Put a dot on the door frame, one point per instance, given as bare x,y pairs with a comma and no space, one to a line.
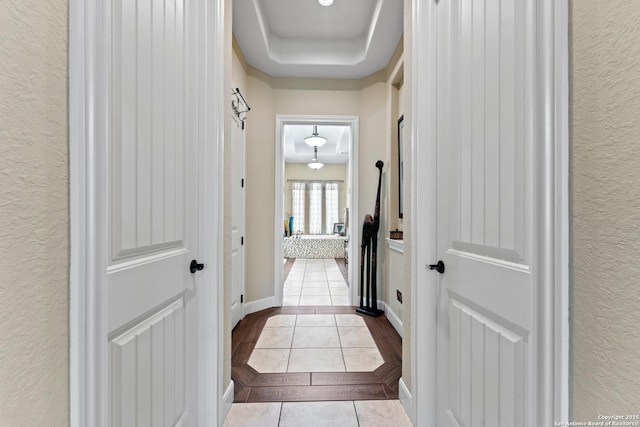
354,232
88,159
551,300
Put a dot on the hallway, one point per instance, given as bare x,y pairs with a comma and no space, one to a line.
73,71
314,353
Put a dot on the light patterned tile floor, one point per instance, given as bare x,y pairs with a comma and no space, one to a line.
369,413
315,343
315,282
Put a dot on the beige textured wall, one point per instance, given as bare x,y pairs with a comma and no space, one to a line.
374,146
259,183
239,70
34,225
605,203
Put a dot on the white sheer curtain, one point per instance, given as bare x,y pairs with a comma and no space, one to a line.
297,206
315,208
331,206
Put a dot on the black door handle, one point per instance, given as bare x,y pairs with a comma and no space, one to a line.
439,267
194,266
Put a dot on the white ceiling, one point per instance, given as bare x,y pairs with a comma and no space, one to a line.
336,150
301,38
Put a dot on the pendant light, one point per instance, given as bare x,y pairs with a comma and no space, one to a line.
325,2
315,140
315,164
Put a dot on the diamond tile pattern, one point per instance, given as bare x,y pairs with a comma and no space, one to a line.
316,373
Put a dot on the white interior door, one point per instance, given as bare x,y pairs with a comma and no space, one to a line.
153,208
237,219
485,135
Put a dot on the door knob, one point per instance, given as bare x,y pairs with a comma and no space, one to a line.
439,267
194,266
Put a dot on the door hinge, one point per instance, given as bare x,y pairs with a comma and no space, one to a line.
242,240
242,183
241,298
243,125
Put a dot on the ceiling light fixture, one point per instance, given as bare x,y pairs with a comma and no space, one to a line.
325,2
315,164
315,140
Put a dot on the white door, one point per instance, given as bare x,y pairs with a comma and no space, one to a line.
153,208
237,219
485,139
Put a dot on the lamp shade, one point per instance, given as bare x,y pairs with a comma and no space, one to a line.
315,164
315,140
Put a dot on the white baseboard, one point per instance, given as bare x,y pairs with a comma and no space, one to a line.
391,316
395,321
227,401
407,400
261,304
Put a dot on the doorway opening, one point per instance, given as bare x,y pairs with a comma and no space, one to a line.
318,206
316,215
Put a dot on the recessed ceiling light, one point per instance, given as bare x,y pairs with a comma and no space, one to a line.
325,2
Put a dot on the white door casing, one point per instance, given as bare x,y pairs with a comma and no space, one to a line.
145,200
489,187
279,185
237,218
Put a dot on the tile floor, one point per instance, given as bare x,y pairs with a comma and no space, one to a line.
315,343
364,413
315,282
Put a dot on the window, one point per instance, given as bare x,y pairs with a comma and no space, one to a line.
297,208
322,207
331,206
315,208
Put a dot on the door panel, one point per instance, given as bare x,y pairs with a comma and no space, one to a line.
153,170
147,126
485,67
485,369
483,203
148,390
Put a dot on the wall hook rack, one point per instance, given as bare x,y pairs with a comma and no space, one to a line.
239,105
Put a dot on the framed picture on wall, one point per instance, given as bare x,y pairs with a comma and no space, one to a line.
400,164
338,228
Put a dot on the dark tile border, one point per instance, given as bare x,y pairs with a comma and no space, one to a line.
251,386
